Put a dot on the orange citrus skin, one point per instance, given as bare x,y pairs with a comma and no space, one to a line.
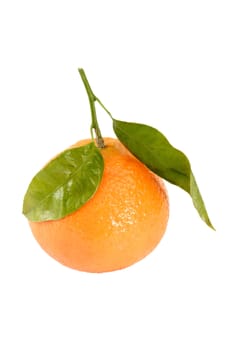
118,226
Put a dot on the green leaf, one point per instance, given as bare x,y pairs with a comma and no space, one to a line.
154,150
64,184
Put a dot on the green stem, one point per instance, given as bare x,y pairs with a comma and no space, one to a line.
101,104
92,99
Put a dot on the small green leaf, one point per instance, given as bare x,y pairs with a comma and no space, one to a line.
154,150
65,184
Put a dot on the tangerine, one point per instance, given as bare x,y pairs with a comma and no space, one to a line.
121,224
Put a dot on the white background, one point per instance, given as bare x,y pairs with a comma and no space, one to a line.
164,63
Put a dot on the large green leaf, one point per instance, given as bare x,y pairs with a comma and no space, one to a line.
64,184
154,150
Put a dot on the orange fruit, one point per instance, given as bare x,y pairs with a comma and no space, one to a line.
122,223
